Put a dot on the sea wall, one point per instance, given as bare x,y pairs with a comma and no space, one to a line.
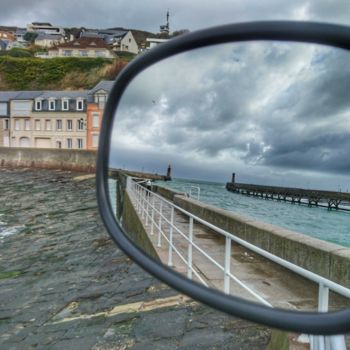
326,259
136,231
166,192
76,160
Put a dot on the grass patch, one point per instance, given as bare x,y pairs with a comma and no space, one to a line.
9,274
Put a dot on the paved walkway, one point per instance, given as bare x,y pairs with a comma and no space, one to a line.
276,285
65,285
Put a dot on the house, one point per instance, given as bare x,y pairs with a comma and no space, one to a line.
153,42
82,47
19,35
21,107
5,98
7,36
49,119
126,42
49,40
58,120
3,45
118,39
97,98
53,119
45,28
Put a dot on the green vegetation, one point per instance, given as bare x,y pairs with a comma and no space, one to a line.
17,52
30,73
9,274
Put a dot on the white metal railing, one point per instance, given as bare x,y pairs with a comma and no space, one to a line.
148,204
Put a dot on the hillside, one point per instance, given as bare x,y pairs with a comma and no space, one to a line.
29,73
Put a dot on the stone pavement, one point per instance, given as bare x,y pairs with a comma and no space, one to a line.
65,285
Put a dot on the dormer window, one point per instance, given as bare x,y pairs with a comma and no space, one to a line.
65,104
80,104
52,104
38,105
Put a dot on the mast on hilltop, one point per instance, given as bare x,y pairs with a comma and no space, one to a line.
165,29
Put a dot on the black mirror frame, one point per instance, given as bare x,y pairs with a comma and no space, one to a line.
318,33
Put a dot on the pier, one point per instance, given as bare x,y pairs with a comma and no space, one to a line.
318,198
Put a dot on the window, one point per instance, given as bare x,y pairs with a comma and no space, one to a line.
38,105
95,119
81,124
37,124
67,53
52,105
80,105
65,105
69,143
27,124
47,124
101,100
83,53
69,124
58,144
6,124
17,124
99,53
95,140
58,124
80,143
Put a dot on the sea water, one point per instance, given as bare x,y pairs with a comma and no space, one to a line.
329,225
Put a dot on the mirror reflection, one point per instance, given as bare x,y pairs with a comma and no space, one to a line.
230,165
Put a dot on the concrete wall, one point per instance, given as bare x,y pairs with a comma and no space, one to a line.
135,229
166,192
76,160
326,259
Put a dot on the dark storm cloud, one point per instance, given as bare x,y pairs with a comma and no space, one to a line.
148,15
259,106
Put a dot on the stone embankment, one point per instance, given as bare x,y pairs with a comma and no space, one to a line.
65,285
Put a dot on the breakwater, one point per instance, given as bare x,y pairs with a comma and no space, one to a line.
76,160
329,199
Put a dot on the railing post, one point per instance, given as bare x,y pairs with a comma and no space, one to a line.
170,257
190,241
143,203
147,198
160,224
227,265
323,297
152,218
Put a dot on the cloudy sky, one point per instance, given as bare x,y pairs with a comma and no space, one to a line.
274,113
148,15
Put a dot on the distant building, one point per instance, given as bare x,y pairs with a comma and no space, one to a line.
3,45
119,40
153,42
96,104
53,119
82,47
48,40
45,28
19,34
7,36
59,120
5,126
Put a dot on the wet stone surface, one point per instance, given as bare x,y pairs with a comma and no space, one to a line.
65,285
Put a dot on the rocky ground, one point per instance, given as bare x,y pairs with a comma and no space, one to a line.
65,285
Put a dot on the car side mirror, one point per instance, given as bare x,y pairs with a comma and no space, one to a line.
270,102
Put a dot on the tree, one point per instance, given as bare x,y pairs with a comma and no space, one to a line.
179,32
30,36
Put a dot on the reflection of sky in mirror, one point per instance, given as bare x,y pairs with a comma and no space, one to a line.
274,113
